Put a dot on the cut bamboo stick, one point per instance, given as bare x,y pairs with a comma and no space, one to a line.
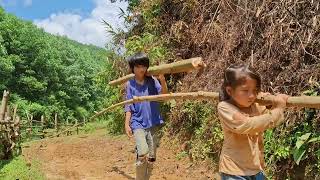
295,101
8,113
298,101
4,105
172,68
15,113
17,121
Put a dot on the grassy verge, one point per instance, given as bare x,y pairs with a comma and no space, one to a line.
18,168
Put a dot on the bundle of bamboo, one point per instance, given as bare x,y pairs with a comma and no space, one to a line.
172,68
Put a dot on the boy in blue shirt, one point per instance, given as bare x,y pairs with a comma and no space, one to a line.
143,118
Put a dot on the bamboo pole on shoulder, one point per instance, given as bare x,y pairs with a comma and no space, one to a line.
294,101
163,97
298,101
172,68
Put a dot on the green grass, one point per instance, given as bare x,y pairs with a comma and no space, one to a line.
181,155
17,168
93,126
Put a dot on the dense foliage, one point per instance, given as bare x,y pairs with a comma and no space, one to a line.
49,74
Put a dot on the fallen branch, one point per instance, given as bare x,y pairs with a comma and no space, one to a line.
172,68
299,101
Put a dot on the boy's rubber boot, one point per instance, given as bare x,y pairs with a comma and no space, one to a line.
149,170
141,170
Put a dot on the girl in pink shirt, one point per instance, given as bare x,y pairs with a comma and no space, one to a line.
243,123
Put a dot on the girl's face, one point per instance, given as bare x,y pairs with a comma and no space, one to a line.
139,71
245,94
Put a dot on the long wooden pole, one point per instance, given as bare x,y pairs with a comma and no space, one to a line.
172,68
295,101
298,101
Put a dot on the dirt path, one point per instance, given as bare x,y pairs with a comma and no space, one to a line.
91,157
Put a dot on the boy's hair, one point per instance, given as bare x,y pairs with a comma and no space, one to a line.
139,58
234,76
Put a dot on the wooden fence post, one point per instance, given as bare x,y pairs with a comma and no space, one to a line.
42,121
4,105
30,124
42,125
77,126
56,122
7,114
3,108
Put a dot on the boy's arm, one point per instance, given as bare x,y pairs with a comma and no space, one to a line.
128,109
127,124
164,87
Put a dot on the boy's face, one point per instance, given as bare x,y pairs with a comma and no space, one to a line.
139,71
